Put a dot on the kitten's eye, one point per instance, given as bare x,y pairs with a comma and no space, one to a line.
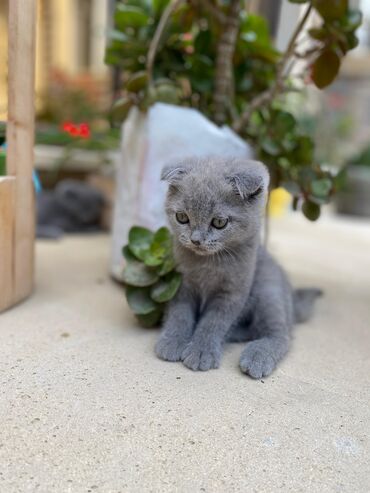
219,223
182,218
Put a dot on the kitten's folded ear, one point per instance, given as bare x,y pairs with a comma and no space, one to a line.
174,172
250,179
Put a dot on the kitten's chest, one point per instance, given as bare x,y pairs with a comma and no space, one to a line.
204,281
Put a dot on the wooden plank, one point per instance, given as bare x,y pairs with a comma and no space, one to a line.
20,137
7,203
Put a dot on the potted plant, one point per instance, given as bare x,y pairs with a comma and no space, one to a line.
217,58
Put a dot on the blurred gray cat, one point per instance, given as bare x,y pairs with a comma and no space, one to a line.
232,289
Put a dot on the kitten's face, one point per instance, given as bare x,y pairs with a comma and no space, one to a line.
207,216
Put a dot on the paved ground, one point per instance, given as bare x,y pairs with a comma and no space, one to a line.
86,406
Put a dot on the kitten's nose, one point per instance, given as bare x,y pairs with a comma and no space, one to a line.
195,238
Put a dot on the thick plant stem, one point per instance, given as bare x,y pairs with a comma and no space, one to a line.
282,73
224,63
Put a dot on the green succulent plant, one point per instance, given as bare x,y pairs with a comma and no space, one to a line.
149,275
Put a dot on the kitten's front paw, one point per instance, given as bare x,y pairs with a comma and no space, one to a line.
170,348
256,361
201,357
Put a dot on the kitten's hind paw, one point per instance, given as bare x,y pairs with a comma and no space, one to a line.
170,348
198,358
256,361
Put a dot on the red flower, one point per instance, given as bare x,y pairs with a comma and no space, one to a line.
84,131
67,126
81,130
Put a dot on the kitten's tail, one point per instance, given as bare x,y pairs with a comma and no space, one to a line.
303,303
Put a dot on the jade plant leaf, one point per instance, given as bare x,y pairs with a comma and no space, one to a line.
120,109
321,187
138,274
149,275
311,210
151,319
166,288
130,16
167,266
325,68
139,241
140,301
159,5
331,9
128,255
137,81
160,247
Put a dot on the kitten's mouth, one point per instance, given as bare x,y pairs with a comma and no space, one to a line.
200,250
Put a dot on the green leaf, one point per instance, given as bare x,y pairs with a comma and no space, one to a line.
165,92
298,1
116,35
325,68
311,210
120,109
128,16
137,81
138,274
162,244
166,288
283,162
284,122
292,187
303,155
139,240
255,28
152,260
353,20
318,33
159,5
167,266
270,146
331,9
129,256
160,247
322,187
151,319
317,200
352,41
139,300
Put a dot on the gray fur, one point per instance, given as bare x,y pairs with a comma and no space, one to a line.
303,301
232,289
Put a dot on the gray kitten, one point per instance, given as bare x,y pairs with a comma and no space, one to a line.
232,289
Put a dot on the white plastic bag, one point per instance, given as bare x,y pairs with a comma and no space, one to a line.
149,141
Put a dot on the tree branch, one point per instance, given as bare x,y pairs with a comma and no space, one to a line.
270,94
153,47
224,62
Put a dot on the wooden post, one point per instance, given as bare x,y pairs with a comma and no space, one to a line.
17,214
